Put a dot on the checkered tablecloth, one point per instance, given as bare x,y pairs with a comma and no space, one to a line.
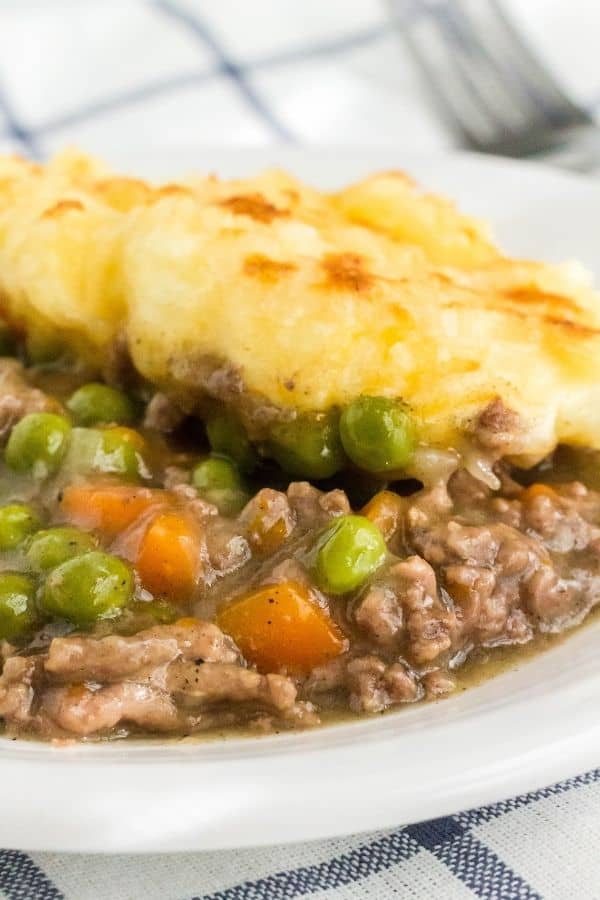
185,73
540,845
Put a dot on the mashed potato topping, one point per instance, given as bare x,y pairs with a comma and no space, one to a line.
266,288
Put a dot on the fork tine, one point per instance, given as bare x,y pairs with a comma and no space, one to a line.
512,98
494,91
428,46
540,81
466,85
497,93
532,87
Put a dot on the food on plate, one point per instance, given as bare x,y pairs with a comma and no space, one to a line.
271,454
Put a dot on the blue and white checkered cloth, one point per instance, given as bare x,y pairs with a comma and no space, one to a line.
539,845
186,73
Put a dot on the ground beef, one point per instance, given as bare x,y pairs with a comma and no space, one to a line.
497,427
557,521
469,565
380,613
163,414
473,567
370,684
438,683
188,676
268,519
312,507
6,650
83,710
114,658
177,480
227,549
18,397
406,610
484,570
20,674
477,568
196,685
374,686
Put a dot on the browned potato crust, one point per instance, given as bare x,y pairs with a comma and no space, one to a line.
266,288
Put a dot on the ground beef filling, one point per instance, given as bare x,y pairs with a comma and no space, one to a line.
464,566
19,397
169,678
478,568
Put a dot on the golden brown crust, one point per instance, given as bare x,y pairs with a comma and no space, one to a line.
255,206
347,271
269,271
61,207
377,289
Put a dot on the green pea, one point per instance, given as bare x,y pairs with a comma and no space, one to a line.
53,546
87,588
308,446
227,436
17,522
118,455
157,611
228,501
95,403
18,614
215,472
378,434
348,552
217,480
38,443
105,451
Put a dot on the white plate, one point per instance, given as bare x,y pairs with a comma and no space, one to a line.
519,731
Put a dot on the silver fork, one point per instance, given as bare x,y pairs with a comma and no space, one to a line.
490,87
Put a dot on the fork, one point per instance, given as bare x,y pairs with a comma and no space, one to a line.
493,91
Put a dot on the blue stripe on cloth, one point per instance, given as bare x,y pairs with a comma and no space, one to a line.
166,85
126,98
229,68
21,879
15,129
449,839
468,859
348,868
435,832
314,51
494,810
476,865
481,870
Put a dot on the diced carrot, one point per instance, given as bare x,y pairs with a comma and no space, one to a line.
385,510
168,559
281,627
266,537
109,508
539,490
